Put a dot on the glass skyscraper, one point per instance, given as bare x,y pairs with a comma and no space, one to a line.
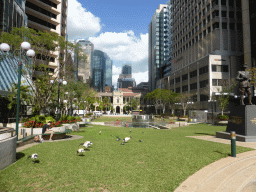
101,70
12,14
158,45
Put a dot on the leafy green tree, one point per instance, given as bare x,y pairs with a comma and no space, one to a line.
223,94
44,44
25,95
106,103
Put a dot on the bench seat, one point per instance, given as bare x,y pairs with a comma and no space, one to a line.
56,135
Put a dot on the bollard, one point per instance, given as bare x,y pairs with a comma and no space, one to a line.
233,143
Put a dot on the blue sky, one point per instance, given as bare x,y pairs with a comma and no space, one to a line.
119,28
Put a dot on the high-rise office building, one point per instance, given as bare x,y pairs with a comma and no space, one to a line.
12,14
84,66
158,45
206,46
108,73
101,72
127,69
125,79
48,15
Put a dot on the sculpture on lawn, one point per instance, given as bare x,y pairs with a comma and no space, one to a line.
244,84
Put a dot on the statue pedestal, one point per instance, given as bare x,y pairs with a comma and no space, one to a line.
242,120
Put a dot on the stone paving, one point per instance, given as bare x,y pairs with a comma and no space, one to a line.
68,138
225,175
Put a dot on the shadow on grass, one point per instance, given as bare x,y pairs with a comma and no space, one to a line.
36,161
228,154
205,134
19,155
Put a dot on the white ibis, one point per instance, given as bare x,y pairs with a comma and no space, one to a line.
80,151
34,157
86,144
126,139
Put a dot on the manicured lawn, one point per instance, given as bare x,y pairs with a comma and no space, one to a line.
110,119
160,162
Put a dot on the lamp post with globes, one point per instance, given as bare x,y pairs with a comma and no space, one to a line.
25,46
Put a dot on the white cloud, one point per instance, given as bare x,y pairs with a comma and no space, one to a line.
116,70
124,47
81,23
140,77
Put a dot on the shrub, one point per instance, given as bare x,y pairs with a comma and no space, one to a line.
222,117
64,117
163,114
49,118
57,124
70,118
33,124
89,114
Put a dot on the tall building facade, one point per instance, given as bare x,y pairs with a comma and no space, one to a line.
48,15
84,66
12,14
158,45
101,72
108,73
125,79
127,70
207,46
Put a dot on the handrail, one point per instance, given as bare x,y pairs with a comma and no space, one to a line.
6,130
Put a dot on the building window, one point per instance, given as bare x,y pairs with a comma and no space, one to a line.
203,70
204,97
184,88
184,77
203,84
232,26
178,90
224,25
177,80
216,25
117,101
193,74
219,68
171,81
223,13
193,86
231,14
220,82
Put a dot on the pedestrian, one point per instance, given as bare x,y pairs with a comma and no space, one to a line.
47,129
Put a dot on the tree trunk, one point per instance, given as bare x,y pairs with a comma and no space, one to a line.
222,112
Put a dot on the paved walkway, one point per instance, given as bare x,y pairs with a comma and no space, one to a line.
230,174
68,138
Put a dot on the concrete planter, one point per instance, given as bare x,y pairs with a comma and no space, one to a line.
7,152
73,126
222,122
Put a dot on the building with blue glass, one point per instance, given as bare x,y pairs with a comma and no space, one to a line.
12,14
101,71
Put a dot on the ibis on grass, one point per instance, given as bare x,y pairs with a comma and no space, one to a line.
80,151
34,157
86,144
126,139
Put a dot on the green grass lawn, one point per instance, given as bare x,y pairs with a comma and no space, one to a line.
160,162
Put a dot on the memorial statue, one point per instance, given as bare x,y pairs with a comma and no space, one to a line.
244,84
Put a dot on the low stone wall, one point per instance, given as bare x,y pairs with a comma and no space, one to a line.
73,126
7,152
11,125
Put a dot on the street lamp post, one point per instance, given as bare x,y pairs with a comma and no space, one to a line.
60,81
25,46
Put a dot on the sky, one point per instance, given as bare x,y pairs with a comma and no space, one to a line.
118,28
